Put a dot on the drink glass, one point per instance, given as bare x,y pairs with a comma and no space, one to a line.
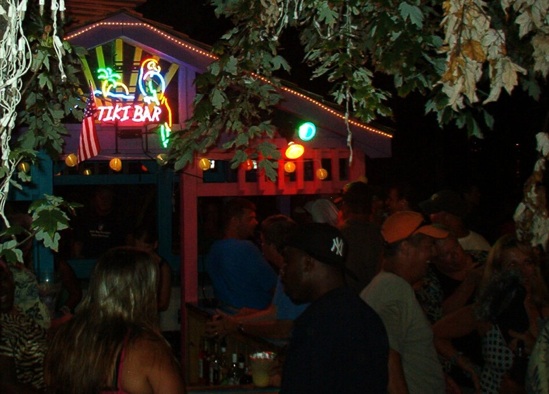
261,364
48,289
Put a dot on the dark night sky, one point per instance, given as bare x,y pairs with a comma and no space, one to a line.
421,152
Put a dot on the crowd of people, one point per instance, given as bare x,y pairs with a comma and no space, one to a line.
365,291
459,314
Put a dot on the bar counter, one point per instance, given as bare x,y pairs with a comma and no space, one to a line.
240,343
248,389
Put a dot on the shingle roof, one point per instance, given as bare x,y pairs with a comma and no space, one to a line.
83,11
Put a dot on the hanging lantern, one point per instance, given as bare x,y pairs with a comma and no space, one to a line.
321,174
87,171
204,164
248,165
289,167
23,166
71,160
162,159
115,164
306,131
294,151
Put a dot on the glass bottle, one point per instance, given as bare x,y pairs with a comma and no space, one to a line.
234,374
215,366
246,376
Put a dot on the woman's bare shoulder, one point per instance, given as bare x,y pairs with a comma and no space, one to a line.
151,367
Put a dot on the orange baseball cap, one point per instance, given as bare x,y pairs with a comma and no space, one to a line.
403,224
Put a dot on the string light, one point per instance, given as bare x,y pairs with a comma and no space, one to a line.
162,159
204,164
24,167
71,160
115,164
248,165
321,174
289,167
146,26
294,151
306,131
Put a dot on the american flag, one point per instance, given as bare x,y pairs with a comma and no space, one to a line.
89,143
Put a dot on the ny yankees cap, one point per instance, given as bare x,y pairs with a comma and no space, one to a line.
321,241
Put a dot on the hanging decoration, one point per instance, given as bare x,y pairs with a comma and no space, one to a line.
162,159
24,167
115,164
294,150
306,131
289,167
204,164
16,58
71,160
321,174
248,165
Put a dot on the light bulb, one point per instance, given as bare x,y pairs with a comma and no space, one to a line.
294,151
321,174
289,166
115,164
162,159
23,166
307,131
71,160
204,164
248,165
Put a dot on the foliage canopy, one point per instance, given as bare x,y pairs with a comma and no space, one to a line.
43,97
460,54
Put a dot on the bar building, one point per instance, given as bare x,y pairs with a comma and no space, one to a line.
132,133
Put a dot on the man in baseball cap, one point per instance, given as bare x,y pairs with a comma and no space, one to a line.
339,344
413,363
448,208
404,224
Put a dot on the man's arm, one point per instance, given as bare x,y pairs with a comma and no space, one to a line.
397,381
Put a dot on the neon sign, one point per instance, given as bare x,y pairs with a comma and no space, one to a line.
119,105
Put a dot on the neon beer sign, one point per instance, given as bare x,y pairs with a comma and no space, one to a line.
121,107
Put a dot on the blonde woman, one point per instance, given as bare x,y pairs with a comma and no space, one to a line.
508,313
113,345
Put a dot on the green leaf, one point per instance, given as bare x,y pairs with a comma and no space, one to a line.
412,13
217,98
231,65
214,68
43,80
50,240
326,13
10,252
239,157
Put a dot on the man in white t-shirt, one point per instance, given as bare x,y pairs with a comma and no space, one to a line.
413,363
